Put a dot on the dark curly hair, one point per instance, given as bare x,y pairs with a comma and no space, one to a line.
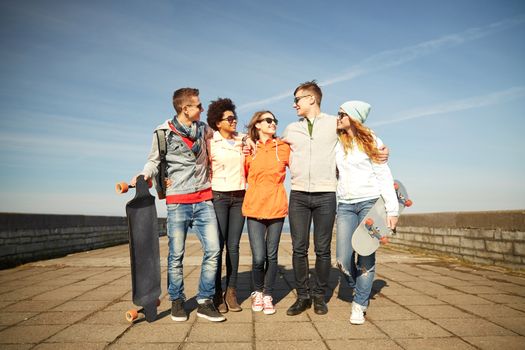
216,110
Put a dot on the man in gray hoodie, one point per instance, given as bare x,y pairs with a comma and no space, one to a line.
313,178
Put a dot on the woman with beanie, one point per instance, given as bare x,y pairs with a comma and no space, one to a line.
228,186
361,181
265,205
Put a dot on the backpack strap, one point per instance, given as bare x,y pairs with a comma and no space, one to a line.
161,177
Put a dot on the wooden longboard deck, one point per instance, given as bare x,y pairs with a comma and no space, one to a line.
144,250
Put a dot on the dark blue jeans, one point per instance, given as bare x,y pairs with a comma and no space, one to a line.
265,236
304,208
228,209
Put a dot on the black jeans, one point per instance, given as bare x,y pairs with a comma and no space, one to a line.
265,236
228,209
305,207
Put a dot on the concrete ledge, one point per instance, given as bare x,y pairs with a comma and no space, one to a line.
491,237
31,237
512,220
15,221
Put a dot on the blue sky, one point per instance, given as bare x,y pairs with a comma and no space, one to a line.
84,83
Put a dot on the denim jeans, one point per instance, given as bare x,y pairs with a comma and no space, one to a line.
360,275
228,208
305,207
265,236
200,216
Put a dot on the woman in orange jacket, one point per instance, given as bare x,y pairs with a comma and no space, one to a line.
265,205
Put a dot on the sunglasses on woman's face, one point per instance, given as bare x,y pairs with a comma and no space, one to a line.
231,119
341,115
270,120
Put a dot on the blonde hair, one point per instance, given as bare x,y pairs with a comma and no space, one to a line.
253,133
364,138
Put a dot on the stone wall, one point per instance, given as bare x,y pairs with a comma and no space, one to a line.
31,237
493,238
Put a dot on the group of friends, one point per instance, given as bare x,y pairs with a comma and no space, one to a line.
218,178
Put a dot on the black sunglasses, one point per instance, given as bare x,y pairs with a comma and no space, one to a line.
230,119
270,120
298,98
199,106
341,115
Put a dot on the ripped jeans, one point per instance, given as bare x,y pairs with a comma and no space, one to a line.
360,275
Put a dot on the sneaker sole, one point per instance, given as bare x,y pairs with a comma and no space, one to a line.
294,313
212,319
179,318
357,322
269,312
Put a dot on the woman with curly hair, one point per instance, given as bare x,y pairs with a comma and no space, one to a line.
361,181
228,186
265,205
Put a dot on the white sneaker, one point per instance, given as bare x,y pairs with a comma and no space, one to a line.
257,301
357,316
269,309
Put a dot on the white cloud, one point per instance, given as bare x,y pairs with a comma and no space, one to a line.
392,58
493,98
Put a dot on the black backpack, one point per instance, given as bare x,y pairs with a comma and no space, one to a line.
160,178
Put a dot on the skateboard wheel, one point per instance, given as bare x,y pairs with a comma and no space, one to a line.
158,302
408,203
383,240
132,315
121,187
396,185
369,222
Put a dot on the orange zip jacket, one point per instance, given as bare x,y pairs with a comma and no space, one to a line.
266,169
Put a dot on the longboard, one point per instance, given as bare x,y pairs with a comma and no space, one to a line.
143,250
373,230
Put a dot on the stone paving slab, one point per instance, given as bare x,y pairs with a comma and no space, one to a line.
418,302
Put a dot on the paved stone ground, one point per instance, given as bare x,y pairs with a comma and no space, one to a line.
419,302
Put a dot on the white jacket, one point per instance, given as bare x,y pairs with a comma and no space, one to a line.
227,164
361,179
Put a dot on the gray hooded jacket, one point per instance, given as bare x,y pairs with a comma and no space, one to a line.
187,172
